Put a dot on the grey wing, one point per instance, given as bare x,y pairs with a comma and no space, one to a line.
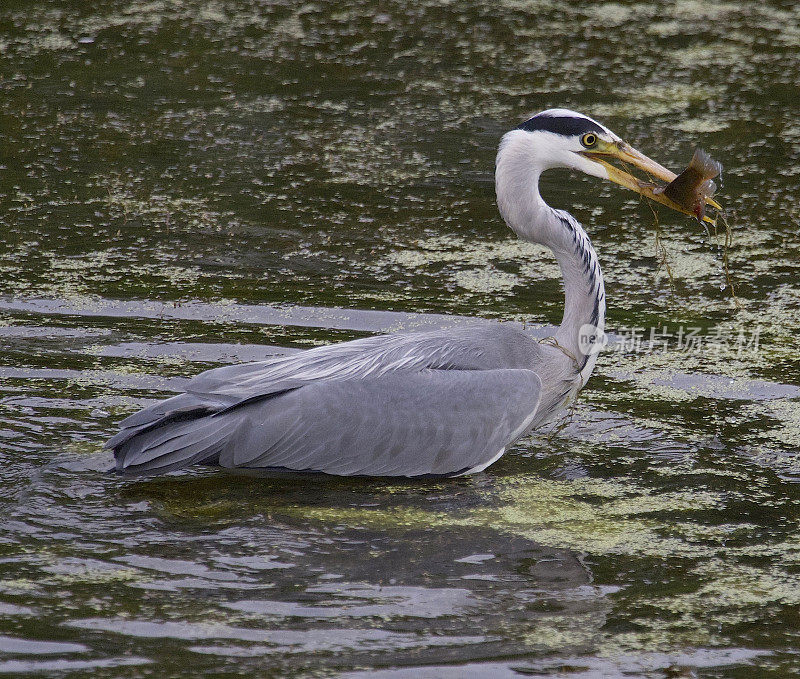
432,422
467,348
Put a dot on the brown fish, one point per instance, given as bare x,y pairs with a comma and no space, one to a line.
692,186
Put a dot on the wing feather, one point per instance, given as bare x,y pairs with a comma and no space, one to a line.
465,348
409,424
394,393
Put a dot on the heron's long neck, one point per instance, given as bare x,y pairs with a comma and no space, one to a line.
532,219
584,291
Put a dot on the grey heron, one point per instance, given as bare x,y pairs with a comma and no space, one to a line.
427,403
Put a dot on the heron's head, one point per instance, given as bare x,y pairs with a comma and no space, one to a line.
563,138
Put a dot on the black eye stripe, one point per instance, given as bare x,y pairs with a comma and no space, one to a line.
569,126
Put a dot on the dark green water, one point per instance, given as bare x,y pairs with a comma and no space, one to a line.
181,182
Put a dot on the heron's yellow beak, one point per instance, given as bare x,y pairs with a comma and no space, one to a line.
629,156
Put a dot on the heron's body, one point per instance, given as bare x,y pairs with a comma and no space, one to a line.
446,402
425,403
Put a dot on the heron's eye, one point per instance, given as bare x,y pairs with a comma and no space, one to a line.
589,139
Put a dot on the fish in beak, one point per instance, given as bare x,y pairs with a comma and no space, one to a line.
689,193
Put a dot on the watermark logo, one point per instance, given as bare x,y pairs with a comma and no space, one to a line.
591,339
717,339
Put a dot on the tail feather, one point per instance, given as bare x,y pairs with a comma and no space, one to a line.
147,447
183,430
182,403
176,409
172,434
176,446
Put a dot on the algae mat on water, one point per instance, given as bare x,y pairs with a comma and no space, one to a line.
190,183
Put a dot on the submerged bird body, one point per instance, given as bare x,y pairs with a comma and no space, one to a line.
413,404
439,403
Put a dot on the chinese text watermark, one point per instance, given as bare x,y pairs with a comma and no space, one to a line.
716,339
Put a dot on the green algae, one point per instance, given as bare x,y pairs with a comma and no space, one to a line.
655,100
473,266
554,513
341,157
786,417
617,520
697,126
610,517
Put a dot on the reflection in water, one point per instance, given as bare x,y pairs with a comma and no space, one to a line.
191,183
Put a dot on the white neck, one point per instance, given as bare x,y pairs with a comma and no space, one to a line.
524,210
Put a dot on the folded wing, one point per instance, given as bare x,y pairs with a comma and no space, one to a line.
420,403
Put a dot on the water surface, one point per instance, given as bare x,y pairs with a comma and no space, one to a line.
189,184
